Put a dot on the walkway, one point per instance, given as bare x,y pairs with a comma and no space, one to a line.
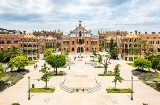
18,92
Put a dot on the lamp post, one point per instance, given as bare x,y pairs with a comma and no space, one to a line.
29,97
132,87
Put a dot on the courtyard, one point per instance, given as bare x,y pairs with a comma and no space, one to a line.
142,93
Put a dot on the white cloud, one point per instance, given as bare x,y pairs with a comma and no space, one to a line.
96,14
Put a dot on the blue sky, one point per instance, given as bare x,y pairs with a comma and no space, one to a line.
50,15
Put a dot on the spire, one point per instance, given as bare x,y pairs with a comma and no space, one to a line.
80,23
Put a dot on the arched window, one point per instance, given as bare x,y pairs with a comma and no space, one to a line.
29,45
25,45
87,49
80,33
34,45
72,49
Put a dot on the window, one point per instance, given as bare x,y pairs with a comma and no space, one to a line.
158,49
29,45
72,49
80,33
72,42
15,42
87,49
58,37
8,42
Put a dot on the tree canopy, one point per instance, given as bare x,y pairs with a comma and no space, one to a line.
94,52
18,62
142,63
56,61
2,71
155,60
13,52
48,52
113,49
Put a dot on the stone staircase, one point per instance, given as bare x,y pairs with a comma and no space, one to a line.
67,89
95,88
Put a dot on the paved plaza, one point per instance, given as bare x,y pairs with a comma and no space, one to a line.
142,92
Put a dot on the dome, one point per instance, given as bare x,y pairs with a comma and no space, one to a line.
59,32
109,38
130,35
29,36
101,32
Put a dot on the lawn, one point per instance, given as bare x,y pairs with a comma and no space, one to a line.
42,90
108,74
98,66
131,64
128,90
31,63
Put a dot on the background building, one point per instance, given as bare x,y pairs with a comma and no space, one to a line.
80,40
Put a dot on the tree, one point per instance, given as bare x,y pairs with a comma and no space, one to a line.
101,46
105,64
18,62
114,53
48,52
113,49
2,56
99,59
145,46
94,52
13,52
46,74
2,71
66,53
117,75
155,60
56,61
142,63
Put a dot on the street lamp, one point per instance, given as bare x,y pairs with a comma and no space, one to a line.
132,88
29,97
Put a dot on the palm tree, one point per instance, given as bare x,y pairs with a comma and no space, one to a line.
13,52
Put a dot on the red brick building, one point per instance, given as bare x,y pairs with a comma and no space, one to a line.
80,40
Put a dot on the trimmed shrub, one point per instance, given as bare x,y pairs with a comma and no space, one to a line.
111,74
98,66
42,90
15,104
119,90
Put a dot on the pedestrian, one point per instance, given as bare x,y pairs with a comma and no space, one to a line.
34,67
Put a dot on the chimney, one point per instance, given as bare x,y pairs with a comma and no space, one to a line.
139,32
145,32
136,32
153,32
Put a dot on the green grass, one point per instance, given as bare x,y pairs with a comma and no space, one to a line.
131,64
93,60
42,90
98,66
31,63
63,67
110,74
119,90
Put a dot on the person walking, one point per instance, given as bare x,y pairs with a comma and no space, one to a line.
34,67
